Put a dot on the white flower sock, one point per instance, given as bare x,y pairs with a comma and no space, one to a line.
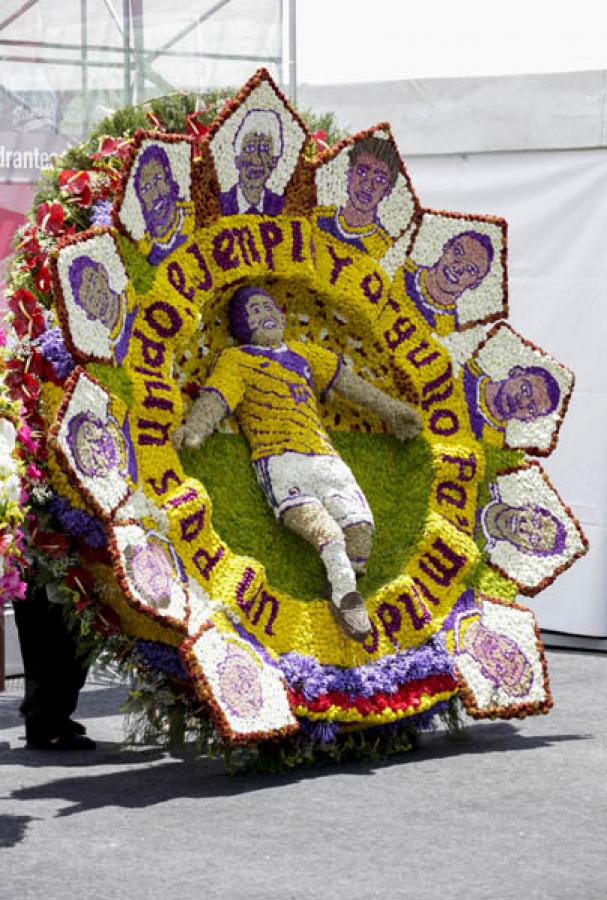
339,569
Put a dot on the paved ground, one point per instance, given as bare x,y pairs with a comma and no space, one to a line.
516,811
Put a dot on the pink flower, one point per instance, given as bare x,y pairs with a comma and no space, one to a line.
26,439
33,472
11,586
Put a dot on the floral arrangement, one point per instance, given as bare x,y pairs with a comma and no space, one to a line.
119,296
12,476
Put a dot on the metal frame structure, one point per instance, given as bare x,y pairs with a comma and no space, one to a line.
131,55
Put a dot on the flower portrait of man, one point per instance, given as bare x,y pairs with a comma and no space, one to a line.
152,570
101,447
526,394
500,659
373,167
163,206
463,264
258,146
93,294
528,527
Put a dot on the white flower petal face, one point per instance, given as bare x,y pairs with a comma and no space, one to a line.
95,446
93,284
534,388
500,658
250,692
466,256
235,146
531,535
153,574
157,166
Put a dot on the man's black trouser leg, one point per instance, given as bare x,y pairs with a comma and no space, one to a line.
54,674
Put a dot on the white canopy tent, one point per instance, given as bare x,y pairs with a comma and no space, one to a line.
531,149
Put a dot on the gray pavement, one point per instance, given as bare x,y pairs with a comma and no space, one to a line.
517,810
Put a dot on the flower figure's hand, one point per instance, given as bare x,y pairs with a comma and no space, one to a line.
187,435
403,420
204,417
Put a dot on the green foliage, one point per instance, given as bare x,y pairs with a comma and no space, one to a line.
323,122
483,578
141,274
395,478
117,381
157,713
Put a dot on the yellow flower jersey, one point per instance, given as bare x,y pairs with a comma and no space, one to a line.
155,249
272,390
372,239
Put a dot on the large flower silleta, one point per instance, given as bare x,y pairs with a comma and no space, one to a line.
373,293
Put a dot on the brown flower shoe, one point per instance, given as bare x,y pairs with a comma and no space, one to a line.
351,615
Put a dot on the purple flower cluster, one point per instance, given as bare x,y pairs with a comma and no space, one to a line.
101,213
306,674
78,523
322,732
161,657
53,349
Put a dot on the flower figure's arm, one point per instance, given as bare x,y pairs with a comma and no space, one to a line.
402,419
205,415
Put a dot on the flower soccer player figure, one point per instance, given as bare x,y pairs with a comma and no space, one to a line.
271,385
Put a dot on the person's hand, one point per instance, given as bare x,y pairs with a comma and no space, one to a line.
403,421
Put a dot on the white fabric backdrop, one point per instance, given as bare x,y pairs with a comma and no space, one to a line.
491,145
556,207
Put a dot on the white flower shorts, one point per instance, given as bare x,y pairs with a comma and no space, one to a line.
293,479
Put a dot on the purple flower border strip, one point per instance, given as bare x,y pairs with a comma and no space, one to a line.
384,676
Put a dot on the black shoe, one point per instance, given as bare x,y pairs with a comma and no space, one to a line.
63,742
73,727
75,742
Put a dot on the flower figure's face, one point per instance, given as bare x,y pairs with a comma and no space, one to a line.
256,161
463,265
240,684
500,658
523,396
94,447
157,195
96,297
369,181
152,572
265,319
530,528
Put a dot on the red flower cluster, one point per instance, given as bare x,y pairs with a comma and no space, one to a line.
195,125
406,699
51,217
33,258
320,140
76,186
112,147
28,320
